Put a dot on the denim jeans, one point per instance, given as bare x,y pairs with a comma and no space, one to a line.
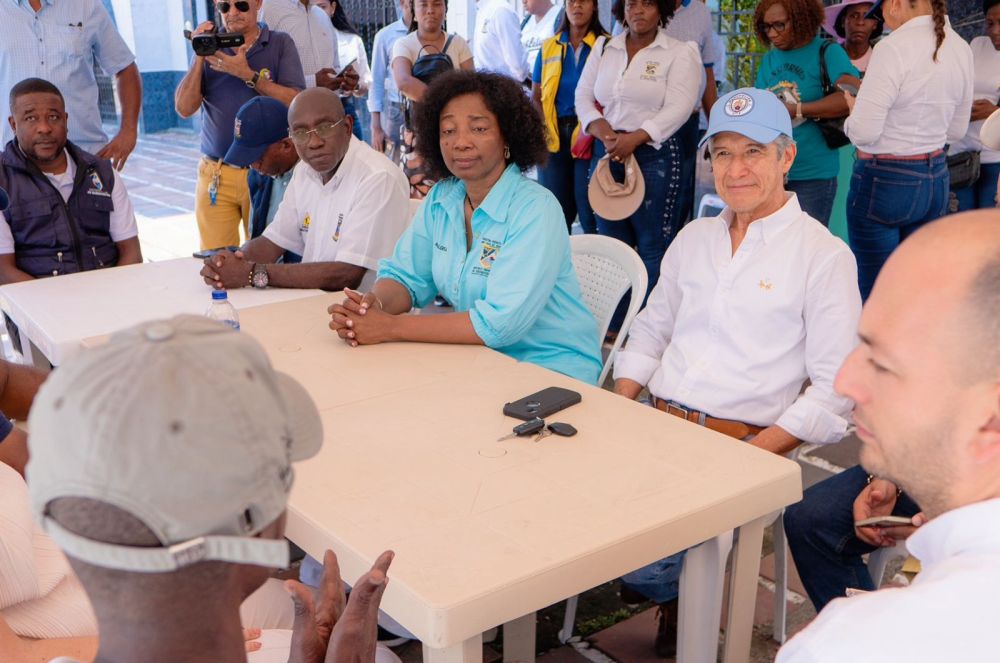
653,225
660,581
820,533
889,200
567,179
687,135
815,197
982,193
350,109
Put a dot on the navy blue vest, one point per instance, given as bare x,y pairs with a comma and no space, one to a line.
53,237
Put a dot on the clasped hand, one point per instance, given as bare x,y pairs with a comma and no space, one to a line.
359,319
227,270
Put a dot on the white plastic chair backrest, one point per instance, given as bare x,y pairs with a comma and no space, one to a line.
414,206
606,268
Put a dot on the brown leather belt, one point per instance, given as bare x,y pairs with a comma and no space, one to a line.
730,427
927,156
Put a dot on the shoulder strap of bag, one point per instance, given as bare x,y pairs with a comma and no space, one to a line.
823,72
447,44
525,21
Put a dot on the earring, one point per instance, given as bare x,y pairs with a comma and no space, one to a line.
506,152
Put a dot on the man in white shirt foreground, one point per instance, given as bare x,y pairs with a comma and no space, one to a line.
926,380
343,211
170,503
750,305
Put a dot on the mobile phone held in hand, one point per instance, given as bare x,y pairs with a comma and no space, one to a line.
885,521
542,403
848,88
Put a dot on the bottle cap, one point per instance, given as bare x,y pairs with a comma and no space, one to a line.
219,295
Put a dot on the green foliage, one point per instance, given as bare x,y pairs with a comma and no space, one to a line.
743,51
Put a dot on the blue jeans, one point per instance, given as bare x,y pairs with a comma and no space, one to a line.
982,193
350,109
567,179
659,581
687,135
820,533
889,200
651,227
815,197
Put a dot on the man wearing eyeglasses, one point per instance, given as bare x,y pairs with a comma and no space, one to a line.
219,84
343,211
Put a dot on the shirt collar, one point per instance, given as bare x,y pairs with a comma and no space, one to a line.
957,532
619,40
497,201
342,170
920,23
27,4
588,40
772,225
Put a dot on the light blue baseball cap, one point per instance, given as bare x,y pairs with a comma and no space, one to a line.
757,114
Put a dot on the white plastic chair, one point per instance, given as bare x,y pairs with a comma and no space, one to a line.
606,268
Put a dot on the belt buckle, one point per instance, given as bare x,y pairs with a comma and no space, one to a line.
677,406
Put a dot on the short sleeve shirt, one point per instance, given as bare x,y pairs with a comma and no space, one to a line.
517,282
275,56
354,218
60,43
795,75
408,47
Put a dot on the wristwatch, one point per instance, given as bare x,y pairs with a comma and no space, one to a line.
258,276
252,83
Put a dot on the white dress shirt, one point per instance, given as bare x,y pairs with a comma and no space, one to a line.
908,104
657,91
948,613
351,48
310,29
986,85
496,44
356,217
736,336
122,223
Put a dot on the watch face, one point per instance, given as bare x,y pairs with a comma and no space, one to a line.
260,279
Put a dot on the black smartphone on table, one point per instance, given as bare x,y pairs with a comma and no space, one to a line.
542,403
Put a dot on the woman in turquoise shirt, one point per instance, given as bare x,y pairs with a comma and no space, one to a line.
792,71
490,240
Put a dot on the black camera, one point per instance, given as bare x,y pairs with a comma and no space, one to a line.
208,43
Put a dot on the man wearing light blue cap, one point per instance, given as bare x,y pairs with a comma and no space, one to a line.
751,305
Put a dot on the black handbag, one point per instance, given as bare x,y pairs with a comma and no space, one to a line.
963,169
429,66
833,128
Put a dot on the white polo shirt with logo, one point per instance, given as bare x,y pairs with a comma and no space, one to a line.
354,218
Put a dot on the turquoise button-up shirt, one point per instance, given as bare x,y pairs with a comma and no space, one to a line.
517,282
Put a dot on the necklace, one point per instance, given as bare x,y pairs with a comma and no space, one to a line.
469,201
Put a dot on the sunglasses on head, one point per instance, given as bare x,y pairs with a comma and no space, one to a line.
241,5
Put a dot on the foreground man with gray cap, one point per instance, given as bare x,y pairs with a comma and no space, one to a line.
750,306
170,504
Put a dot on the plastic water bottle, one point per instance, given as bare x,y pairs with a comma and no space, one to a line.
222,310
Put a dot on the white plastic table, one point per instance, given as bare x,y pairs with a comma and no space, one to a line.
55,314
486,533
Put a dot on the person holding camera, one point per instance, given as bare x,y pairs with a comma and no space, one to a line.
219,83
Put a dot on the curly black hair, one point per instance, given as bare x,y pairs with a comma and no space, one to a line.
804,19
666,8
520,124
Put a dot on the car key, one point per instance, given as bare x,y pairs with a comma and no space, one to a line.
529,427
557,428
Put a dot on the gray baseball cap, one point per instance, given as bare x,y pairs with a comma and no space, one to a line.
185,425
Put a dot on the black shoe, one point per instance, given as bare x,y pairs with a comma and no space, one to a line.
629,596
666,630
441,301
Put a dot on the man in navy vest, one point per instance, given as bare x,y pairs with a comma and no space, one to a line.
68,212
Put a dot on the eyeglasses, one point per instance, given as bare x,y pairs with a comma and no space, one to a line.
777,26
241,5
324,131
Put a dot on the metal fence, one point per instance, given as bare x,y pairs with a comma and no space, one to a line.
370,16
734,23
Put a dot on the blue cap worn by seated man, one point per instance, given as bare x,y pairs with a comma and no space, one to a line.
757,114
260,123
